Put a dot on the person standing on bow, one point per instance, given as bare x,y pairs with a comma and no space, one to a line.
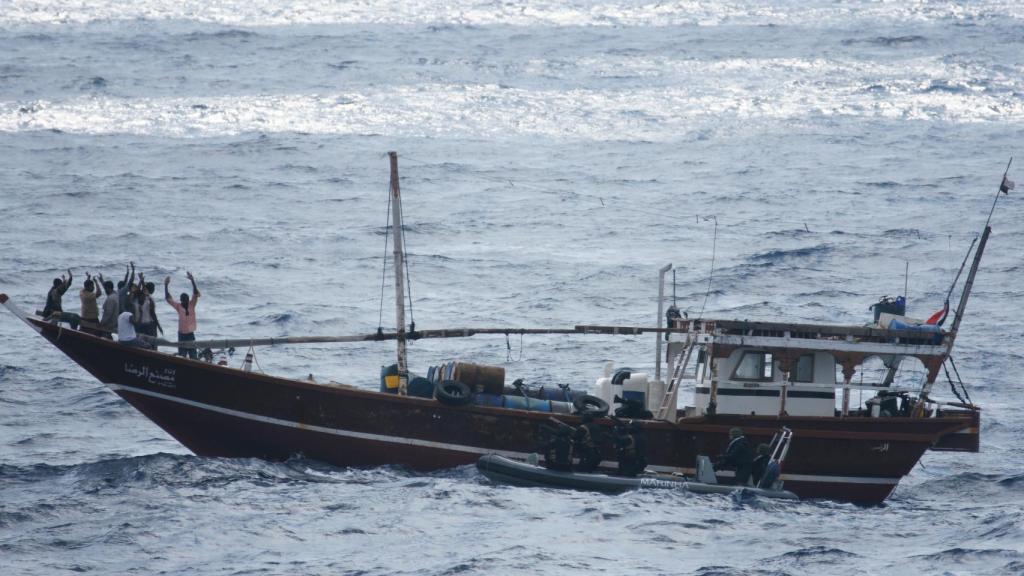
186,310
124,290
54,296
111,310
144,311
90,313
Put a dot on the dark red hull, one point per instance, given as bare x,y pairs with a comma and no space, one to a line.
219,411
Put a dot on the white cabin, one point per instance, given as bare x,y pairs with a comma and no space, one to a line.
790,369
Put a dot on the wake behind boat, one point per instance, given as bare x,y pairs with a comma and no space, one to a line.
755,375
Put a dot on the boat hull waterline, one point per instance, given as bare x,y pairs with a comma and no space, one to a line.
218,411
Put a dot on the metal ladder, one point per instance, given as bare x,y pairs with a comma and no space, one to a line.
779,449
681,359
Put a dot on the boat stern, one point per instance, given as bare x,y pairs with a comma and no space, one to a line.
967,438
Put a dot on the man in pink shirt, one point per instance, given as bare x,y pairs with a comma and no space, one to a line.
186,310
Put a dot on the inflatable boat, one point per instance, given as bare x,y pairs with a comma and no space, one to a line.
507,471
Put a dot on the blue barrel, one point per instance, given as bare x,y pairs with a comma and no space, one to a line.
552,393
496,400
561,407
574,394
537,405
389,379
516,402
421,387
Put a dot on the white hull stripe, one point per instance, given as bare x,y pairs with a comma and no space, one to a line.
455,447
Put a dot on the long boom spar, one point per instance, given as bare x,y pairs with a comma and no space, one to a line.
386,336
373,337
579,330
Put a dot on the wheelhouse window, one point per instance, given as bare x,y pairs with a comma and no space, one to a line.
755,365
804,369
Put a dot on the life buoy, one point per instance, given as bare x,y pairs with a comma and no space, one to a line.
452,393
591,405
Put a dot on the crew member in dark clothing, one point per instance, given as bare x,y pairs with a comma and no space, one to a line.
671,316
588,439
56,293
558,451
125,289
144,309
738,456
760,463
630,449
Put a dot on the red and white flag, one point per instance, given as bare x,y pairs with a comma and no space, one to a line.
939,317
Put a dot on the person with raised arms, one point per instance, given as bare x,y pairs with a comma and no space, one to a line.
186,310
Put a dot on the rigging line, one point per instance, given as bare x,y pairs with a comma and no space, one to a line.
951,385
405,260
384,266
508,349
711,276
800,224
960,380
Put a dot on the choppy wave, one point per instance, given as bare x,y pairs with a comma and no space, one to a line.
483,13
490,111
554,156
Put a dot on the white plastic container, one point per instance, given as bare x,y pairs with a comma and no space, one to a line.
635,388
604,389
655,393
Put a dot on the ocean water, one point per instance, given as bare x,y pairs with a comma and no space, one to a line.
791,159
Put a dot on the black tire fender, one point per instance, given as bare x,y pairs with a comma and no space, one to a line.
452,393
591,405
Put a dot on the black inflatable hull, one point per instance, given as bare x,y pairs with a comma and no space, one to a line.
507,471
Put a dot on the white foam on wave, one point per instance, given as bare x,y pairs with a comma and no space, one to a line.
488,110
491,12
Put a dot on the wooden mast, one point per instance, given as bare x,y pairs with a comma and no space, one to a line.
399,263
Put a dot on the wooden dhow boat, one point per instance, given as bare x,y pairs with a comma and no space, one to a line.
758,376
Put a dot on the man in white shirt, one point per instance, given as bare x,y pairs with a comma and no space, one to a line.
126,331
